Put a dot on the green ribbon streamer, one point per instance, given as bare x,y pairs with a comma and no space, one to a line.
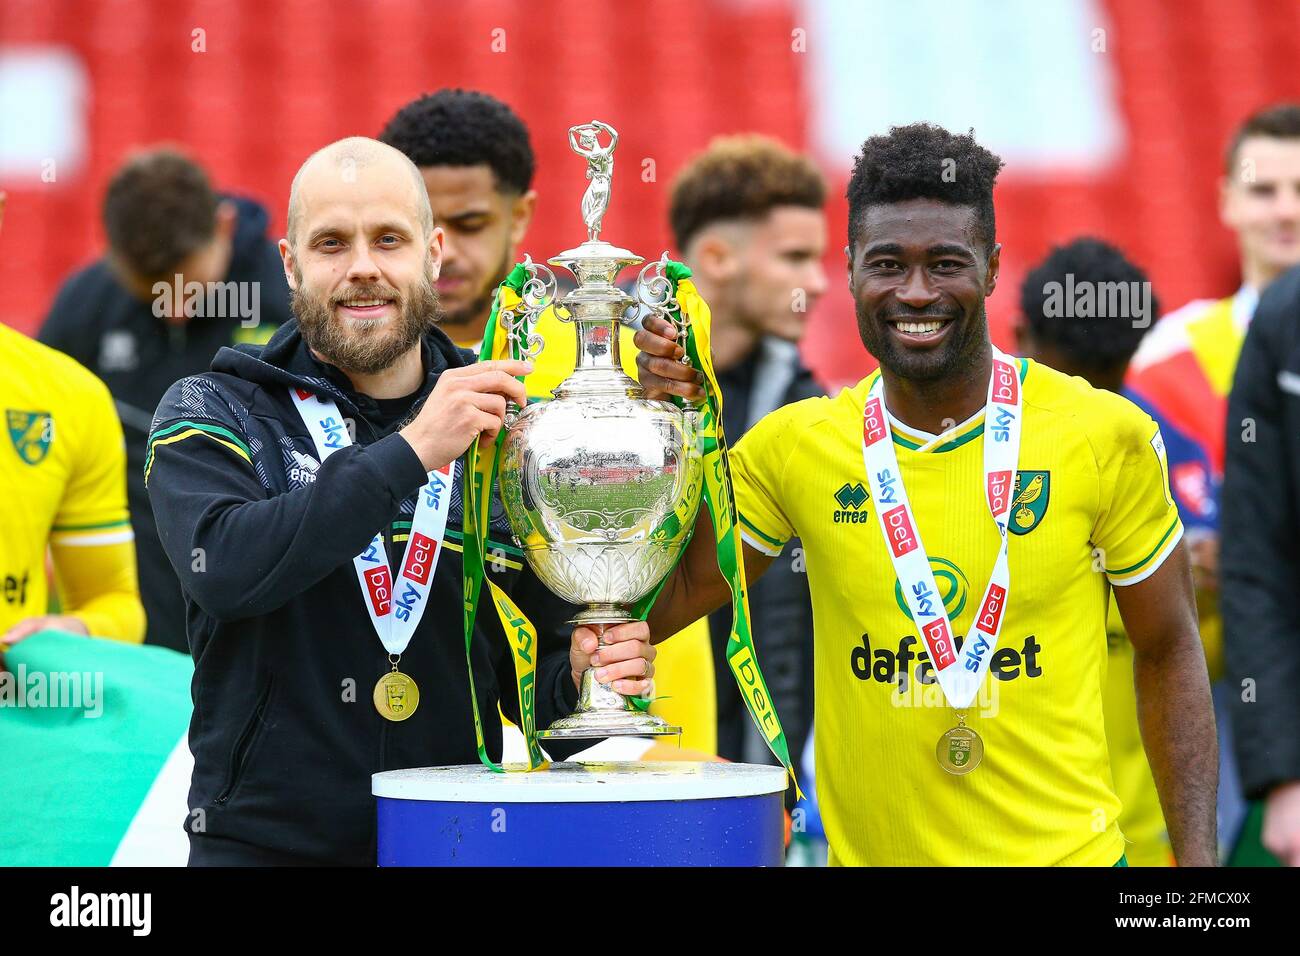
477,482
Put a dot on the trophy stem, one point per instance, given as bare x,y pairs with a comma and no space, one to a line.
601,710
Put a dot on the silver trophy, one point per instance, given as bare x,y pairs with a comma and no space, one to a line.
600,484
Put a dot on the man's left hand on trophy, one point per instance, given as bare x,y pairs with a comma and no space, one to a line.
659,363
622,655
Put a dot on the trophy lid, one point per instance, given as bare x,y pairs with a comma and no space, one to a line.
596,262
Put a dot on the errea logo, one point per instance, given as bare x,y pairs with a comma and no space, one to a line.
851,498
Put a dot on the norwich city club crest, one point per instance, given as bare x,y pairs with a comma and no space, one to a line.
31,434
1029,503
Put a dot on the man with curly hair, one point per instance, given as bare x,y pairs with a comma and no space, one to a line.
960,722
477,162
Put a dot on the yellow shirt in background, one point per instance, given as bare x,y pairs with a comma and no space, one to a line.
63,481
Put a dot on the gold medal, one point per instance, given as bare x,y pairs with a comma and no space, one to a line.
396,696
960,750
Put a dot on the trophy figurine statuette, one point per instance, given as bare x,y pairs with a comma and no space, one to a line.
601,485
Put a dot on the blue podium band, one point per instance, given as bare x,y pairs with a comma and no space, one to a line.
596,814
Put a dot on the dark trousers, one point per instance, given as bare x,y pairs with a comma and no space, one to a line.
221,851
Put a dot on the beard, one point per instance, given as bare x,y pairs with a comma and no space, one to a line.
371,346
957,355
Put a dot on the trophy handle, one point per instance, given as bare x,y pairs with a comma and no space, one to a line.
537,295
654,291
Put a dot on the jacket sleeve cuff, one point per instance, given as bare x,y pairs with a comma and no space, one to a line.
398,464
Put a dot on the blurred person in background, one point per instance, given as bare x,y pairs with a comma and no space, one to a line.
1261,566
1185,366
187,271
477,162
476,158
746,214
63,482
1098,348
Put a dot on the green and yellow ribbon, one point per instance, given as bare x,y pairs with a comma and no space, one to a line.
480,474
720,499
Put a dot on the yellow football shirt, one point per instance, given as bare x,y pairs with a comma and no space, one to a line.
63,478
1091,495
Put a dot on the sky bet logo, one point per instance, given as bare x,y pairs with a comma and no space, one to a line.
887,666
853,497
988,620
437,482
380,586
419,558
333,432
888,491
939,641
999,488
873,426
406,603
1002,419
1006,387
1006,391
899,531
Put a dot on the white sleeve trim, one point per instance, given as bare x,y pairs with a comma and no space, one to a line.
759,545
91,540
1150,568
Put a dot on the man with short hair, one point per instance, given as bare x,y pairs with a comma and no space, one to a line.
307,494
1261,572
746,214
1185,365
974,467
187,271
1097,347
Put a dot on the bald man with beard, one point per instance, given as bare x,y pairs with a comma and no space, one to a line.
290,473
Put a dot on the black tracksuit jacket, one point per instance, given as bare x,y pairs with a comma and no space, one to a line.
284,732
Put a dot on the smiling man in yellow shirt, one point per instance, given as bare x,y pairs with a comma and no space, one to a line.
960,722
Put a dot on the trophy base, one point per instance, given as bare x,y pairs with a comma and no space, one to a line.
603,723
603,712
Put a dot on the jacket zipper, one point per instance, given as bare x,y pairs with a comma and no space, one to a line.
239,758
388,542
